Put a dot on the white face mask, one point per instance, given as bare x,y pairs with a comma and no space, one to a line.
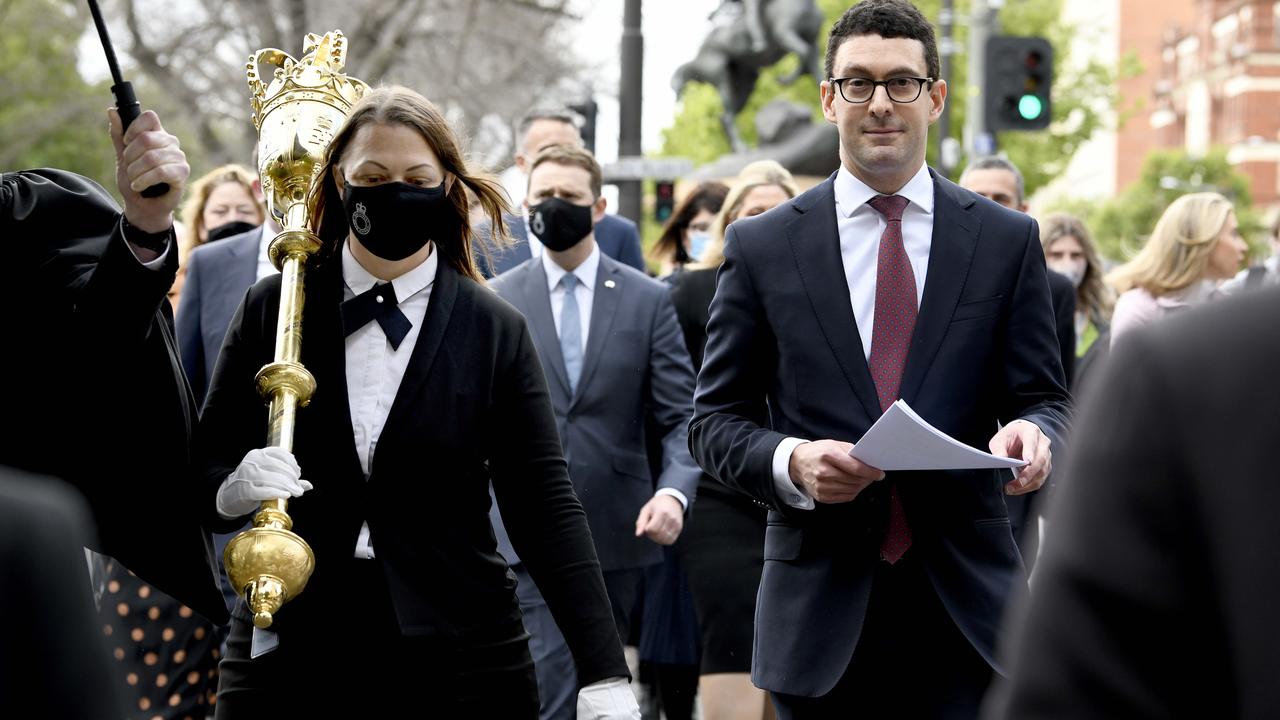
698,241
1073,270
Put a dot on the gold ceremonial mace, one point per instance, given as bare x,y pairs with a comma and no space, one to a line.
296,111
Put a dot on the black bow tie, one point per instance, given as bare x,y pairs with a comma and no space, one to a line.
376,303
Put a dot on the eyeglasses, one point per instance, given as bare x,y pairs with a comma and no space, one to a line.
899,89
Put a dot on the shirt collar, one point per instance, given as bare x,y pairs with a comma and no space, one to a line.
852,194
586,272
406,286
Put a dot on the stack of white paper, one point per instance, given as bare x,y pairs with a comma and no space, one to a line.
902,440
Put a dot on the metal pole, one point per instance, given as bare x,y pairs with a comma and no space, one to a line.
978,141
946,18
630,191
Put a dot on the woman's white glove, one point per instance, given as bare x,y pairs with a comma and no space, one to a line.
610,699
264,474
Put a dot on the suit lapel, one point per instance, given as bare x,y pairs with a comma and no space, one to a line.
955,235
536,303
815,243
241,273
325,355
444,293
604,306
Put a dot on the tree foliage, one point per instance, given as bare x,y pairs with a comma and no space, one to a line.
1121,225
49,116
1084,94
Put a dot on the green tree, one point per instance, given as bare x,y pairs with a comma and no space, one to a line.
1121,225
1082,98
49,115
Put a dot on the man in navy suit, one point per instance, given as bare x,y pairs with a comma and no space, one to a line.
881,594
618,237
614,358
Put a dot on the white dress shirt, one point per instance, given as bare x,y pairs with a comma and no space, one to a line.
860,227
264,267
585,293
374,368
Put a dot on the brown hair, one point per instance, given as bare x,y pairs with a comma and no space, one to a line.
402,106
1094,297
573,157
707,196
192,213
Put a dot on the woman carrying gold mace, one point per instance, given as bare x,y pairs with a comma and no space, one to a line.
428,390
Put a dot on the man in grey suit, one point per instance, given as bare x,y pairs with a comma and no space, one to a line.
617,237
614,357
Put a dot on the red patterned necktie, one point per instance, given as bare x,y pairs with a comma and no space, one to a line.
895,319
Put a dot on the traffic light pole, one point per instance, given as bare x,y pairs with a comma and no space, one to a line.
630,192
979,141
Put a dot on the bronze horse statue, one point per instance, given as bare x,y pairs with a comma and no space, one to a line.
731,58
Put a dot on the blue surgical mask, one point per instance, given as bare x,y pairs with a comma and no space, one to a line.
698,242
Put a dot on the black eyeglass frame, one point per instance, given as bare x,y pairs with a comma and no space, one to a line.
920,83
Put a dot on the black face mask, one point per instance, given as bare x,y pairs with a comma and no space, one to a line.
395,220
227,230
559,224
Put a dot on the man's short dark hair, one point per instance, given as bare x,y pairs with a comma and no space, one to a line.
563,115
996,162
888,19
573,157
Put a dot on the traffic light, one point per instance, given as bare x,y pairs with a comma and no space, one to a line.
1015,91
664,202
587,109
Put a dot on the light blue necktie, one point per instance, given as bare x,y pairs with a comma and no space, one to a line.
571,331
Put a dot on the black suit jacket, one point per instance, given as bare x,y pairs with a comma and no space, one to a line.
472,408
93,389
1157,592
53,658
784,358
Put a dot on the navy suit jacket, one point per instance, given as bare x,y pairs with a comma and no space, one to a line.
635,366
618,237
218,274
784,358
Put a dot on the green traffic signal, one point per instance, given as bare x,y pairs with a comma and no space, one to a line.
1030,107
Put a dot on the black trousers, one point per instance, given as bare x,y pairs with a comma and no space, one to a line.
911,660
361,663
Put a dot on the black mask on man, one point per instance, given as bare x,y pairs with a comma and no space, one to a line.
226,230
559,224
394,220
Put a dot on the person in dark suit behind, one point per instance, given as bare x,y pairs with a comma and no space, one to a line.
880,595
429,389
1157,593
94,389
1000,181
618,237
52,661
614,357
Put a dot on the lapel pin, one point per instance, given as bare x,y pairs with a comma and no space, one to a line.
609,283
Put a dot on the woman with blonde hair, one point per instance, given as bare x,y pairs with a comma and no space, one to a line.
429,391
220,204
723,546
1069,250
1196,244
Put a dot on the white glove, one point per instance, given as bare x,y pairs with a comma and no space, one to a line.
610,699
264,474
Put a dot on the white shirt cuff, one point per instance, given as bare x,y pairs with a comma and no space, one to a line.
152,264
787,490
684,501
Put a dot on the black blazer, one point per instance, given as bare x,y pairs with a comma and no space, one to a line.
472,407
1156,596
784,358
93,389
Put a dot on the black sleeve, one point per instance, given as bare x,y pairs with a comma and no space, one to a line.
543,516
1113,591
234,418
1064,311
